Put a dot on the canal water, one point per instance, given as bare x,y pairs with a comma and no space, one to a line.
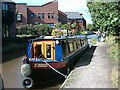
12,76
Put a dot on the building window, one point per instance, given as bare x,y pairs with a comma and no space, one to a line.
49,15
32,15
52,15
19,17
5,31
50,24
39,15
5,6
43,15
80,20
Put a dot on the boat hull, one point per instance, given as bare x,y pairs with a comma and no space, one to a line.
42,70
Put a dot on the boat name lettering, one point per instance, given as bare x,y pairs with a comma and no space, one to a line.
40,65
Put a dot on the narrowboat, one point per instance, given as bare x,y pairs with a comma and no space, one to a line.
51,57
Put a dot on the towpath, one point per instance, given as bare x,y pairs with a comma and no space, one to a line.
92,71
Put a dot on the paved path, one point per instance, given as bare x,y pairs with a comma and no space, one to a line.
92,71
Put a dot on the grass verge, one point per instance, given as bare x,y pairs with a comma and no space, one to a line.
94,41
114,49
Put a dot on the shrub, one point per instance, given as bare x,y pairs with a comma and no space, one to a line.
38,29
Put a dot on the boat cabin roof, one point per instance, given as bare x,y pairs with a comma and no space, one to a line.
60,38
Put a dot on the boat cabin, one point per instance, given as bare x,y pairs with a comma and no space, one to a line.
52,48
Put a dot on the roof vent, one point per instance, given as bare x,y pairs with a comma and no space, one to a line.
49,37
81,14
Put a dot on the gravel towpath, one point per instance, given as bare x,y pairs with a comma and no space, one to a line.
92,71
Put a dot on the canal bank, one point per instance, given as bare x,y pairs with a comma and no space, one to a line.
92,71
13,55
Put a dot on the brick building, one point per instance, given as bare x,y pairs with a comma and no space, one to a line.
21,14
47,14
75,17
44,14
62,17
16,15
8,18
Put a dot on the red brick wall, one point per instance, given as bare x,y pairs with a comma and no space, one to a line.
12,27
62,17
46,8
22,8
82,24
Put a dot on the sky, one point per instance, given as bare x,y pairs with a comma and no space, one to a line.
64,6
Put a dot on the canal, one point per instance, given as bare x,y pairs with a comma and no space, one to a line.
12,76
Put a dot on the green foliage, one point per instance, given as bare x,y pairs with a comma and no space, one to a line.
83,32
26,29
38,29
105,15
58,25
64,26
113,47
90,27
74,25
94,41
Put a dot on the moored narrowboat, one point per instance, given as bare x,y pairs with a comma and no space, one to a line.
51,57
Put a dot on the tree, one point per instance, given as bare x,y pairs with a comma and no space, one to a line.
74,25
105,15
90,27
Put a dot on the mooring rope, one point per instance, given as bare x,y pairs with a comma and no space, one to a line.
65,76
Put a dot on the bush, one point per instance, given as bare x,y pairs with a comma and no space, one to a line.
113,47
38,29
113,51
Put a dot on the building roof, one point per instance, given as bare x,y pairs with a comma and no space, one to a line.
73,15
21,3
62,13
43,4
7,1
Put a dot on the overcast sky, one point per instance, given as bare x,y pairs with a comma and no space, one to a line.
64,6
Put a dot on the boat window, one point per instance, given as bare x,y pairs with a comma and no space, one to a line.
83,42
78,44
75,46
71,46
48,51
38,51
64,46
